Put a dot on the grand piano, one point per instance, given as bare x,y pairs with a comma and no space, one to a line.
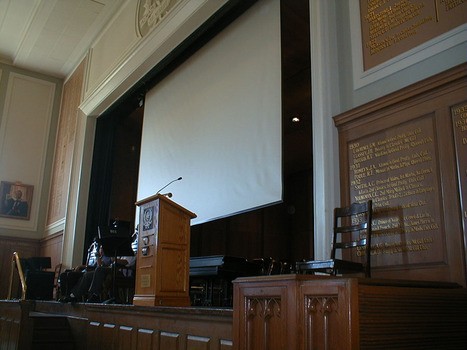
211,278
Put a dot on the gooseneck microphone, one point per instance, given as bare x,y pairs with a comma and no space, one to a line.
178,179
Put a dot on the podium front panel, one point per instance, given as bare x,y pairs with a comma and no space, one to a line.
172,262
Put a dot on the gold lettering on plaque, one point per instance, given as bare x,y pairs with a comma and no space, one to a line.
391,17
397,170
452,4
414,245
392,27
459,121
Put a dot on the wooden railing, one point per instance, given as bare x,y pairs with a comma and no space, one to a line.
16,261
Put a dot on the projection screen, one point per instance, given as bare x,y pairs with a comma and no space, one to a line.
216,122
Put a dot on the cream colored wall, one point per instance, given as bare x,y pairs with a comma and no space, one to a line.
29,105
120,57
112,47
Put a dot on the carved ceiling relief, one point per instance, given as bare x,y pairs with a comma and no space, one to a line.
151,12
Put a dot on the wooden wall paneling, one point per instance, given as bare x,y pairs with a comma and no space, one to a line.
170,341
78,326
277,238
127,338
104,335
66,133
147,339
259,233
245,235
214,238
299,215
125,163
400,318
8,245
15,326
196,232
166,328
399,151
201,343
225,345
110,335
94,339
111,327
52,246
10,322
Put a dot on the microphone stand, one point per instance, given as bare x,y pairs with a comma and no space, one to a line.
178,179
113,299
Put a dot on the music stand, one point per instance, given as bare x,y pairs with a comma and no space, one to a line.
115,242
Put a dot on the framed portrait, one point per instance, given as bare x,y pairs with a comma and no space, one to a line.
15,200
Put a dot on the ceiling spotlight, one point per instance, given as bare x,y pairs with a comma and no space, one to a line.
295,119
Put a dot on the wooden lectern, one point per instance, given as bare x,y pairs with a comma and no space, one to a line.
163,259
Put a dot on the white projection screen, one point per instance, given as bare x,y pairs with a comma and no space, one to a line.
216,122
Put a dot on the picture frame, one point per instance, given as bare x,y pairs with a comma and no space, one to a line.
15,200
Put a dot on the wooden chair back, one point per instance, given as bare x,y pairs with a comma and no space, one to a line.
352,230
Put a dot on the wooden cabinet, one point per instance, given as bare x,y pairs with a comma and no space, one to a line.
321,312
163,259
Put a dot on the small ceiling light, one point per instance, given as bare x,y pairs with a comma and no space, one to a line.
295,119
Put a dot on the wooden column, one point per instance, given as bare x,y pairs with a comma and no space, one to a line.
163,259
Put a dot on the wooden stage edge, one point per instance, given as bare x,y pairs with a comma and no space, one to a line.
117,326
292,312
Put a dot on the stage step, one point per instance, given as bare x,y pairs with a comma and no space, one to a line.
51,331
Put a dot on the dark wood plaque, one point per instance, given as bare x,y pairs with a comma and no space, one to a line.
397,168
408,153
391,27
459,123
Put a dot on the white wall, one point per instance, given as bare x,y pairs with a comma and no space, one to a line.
29,112
325,104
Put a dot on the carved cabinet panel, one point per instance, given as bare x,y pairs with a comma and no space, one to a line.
306,312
